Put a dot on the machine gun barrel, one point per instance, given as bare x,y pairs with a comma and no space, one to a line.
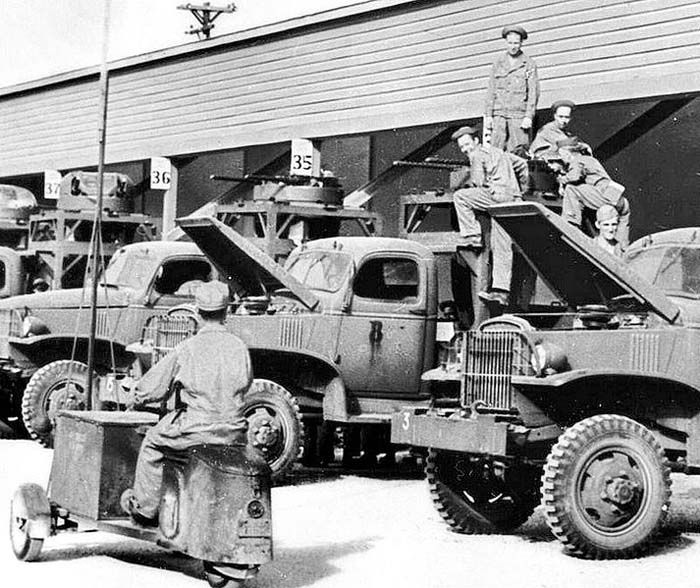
247,179
428,164
259,179
451,162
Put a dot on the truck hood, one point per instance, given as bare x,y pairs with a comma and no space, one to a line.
70,298
571,264
252,271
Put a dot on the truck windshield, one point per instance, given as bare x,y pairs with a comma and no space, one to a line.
320,270
674,269
130,269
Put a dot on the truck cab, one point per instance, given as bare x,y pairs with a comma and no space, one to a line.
42,334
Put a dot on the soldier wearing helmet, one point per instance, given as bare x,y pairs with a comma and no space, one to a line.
213,373
513,91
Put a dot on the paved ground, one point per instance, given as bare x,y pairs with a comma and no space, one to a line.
354,531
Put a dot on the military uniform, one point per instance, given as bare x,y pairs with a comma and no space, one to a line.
587,184
492,181
215,372
613,247
547,138
512,95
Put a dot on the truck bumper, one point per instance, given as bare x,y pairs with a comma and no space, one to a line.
481,434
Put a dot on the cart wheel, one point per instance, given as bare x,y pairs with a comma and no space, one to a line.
218,578
29,507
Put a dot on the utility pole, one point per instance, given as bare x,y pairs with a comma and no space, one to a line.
205,14
97,232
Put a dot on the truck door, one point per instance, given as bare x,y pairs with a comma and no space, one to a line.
382,335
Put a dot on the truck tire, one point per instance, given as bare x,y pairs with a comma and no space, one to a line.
471,499
606,488
274,425
50,390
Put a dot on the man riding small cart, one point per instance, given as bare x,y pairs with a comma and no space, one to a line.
209,374
198,487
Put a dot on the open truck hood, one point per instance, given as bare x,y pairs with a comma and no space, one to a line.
571,264
252,271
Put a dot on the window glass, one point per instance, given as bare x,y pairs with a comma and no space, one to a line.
320,270
387,279
673,269
182,276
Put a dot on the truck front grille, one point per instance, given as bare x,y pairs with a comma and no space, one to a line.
10,323
490,359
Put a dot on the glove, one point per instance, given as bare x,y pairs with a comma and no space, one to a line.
526,123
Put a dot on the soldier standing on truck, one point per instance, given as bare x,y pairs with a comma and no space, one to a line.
492,180
513,91
213,373
585,184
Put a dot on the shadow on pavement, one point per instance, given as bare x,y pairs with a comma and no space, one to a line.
292,567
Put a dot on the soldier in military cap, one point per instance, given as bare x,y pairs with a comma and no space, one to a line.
513,91
491,180
555,130
585,183
213,373
607,221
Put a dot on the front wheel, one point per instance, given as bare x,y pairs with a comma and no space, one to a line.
56,386
274,425
29,507
228,575
606,488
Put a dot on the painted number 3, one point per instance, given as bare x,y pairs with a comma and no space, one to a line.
405,423
160,178
302,162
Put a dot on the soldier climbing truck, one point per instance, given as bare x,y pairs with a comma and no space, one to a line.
590,403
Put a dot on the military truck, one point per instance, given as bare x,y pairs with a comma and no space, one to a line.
41,334
590,403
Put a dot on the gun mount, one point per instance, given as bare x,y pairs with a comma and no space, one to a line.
287,210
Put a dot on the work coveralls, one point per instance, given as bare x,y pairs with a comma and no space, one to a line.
492,181
585,184
215,372
512,95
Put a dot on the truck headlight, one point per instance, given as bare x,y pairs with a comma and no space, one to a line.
547,358
31,326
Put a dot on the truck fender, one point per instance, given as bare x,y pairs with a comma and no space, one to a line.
335,402
564,379
326,379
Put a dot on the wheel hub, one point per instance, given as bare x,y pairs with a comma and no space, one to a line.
264,432
67,397
621,491
611,490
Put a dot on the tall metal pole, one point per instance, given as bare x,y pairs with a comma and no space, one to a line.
101,137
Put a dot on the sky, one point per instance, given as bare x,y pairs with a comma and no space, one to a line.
40,38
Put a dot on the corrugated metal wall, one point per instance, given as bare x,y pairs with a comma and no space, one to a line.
414,64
